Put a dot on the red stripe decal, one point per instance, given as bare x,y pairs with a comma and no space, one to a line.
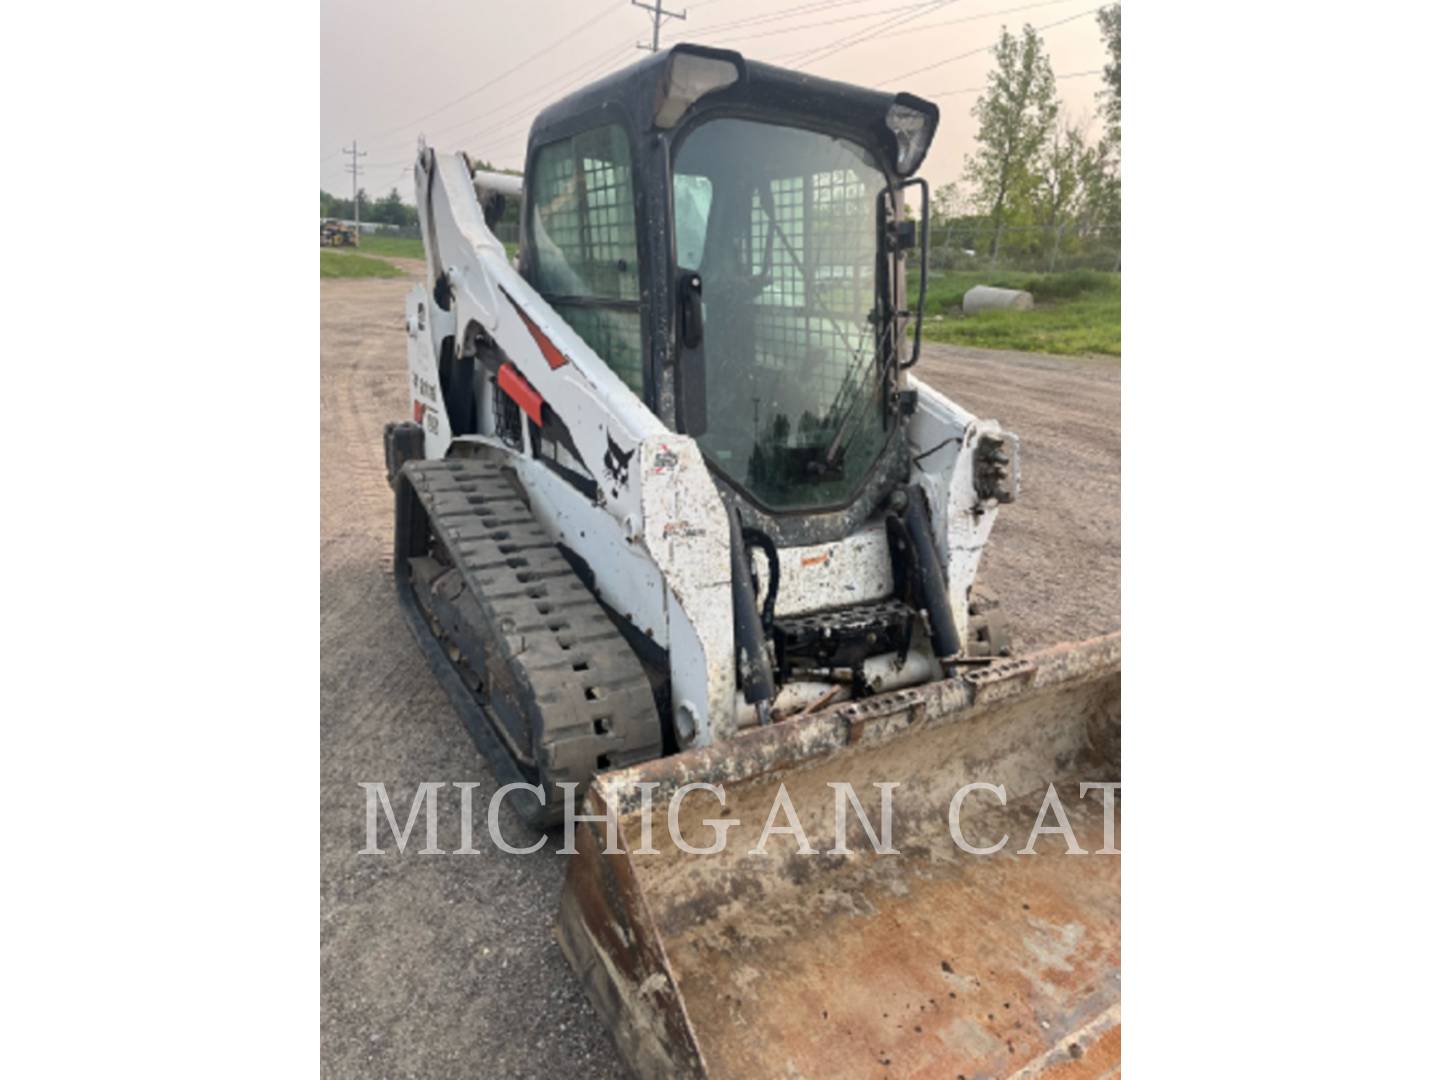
524,395
553,356
419,411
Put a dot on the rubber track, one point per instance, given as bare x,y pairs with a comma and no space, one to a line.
566,667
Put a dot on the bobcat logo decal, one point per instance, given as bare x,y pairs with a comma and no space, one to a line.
617,465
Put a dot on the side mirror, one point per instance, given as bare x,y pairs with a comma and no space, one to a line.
690,361
918,311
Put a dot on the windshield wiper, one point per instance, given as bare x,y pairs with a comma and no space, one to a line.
834,454
850,386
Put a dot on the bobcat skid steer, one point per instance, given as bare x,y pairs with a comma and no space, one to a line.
679,530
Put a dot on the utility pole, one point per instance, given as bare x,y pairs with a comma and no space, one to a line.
659,13
355,169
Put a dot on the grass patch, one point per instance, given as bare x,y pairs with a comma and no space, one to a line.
1076,313
393,247
407,247
345,264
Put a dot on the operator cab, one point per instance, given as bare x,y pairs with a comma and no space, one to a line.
729,237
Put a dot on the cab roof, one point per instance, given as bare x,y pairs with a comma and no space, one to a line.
760,90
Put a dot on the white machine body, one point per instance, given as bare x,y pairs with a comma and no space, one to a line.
655,533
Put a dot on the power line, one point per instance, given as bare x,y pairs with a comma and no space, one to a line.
948,22
983,48
539,91
606,59
978,89
841,44
783,13
526,112
398,162
624,46
823,22
977,17
906,13
773,16
660,15
897,16
789,57
504,74
624,49
493,133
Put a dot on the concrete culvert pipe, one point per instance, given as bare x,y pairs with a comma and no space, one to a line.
989,298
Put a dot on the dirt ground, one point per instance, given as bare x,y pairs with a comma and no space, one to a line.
446,964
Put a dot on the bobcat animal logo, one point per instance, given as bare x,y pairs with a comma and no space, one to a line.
617,465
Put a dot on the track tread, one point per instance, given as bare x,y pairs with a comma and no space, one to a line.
570,669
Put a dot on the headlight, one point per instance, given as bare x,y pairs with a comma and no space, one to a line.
691,75
912,122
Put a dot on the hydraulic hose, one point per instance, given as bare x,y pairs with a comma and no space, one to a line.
757,680
929,577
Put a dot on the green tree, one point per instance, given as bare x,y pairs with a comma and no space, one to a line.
947,202
391,210
1060,188
946,207
1106,196
1017,114
333,207
954,234
1109,94
1100,207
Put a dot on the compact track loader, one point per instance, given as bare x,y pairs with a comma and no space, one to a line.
679,530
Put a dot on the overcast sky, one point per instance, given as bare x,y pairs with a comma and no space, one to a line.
392,69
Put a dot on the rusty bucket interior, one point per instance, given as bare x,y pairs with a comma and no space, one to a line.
928,962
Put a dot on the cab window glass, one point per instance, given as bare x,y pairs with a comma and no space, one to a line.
586,258
692,216
585,217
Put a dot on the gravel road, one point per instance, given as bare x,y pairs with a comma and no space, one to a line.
446,964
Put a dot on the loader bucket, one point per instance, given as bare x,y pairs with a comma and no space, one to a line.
929,962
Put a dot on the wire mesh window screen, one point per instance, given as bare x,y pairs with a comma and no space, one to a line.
585,217
812,239
786,242
585,243
615,337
